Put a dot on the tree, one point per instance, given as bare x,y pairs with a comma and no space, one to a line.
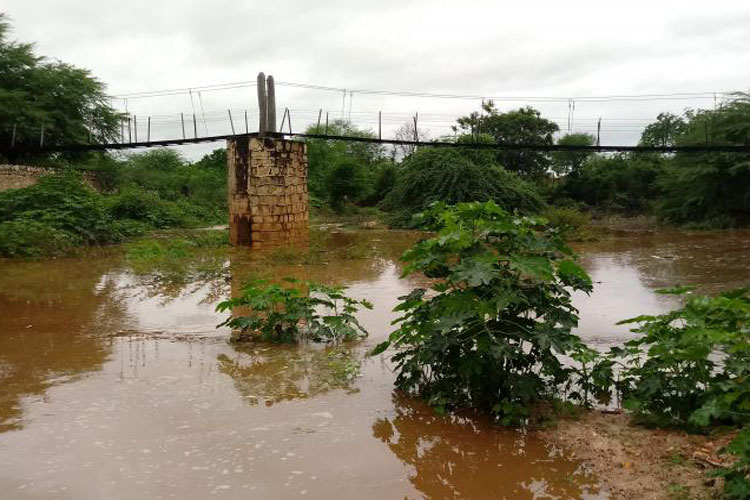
66,101
664,131
710,189
570,162
324,155
408,132
523,126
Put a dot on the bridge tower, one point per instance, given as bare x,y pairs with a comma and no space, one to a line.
267,182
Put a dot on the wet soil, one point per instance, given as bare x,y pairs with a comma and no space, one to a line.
636,463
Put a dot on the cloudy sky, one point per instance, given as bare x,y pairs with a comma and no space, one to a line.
513,50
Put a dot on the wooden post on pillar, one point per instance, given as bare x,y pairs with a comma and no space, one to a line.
271,104
262,105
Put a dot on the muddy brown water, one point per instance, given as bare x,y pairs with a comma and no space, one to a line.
115,383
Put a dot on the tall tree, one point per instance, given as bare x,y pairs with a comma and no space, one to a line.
524,126
664,131
65,103
570,162
711,189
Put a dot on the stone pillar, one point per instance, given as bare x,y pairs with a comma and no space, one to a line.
268,201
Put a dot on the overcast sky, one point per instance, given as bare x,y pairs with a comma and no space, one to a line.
482,48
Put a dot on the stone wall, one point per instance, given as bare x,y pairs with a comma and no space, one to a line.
20,176
268,199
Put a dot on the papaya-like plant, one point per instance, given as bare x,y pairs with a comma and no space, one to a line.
492,332
275,313
737,476
690,366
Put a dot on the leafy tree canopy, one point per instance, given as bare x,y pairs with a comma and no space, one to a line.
35,92
570,162
710,189
520,126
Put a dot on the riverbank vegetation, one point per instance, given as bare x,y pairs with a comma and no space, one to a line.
144,192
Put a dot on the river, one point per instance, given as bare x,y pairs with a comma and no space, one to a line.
115,382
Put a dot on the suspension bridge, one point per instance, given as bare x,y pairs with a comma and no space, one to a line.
180,128
267,167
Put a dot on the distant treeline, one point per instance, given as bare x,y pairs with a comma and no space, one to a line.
700,190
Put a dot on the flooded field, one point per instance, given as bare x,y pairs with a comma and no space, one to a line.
115,383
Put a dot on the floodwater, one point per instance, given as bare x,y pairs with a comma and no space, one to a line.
115,383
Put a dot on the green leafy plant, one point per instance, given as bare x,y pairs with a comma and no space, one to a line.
287,314
691,365
736,482
492,331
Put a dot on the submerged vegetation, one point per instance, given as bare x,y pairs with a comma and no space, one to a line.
499,316
275,313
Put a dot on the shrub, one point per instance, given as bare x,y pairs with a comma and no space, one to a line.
617,183
571,222
28,238
280,314
736,482
65,206
164,174
446,175
147,207
346,182
690,367
491,332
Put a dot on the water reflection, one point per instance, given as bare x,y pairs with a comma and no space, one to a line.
51,318
627,269
272,374
457,457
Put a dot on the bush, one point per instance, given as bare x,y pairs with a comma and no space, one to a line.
446,175
491,332
361,159
572,223
618,183
736,482
70,210
164,174
346,182
690,367
279,314
28,238
147,207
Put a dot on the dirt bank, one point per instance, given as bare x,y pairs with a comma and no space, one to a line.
637,463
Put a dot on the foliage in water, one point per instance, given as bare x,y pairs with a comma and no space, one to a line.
689,367
276,313
491,332
167,264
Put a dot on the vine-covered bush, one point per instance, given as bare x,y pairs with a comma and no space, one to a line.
288,314
451,176
492,331
691,366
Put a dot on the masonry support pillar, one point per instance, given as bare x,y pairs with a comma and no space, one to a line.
268,199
